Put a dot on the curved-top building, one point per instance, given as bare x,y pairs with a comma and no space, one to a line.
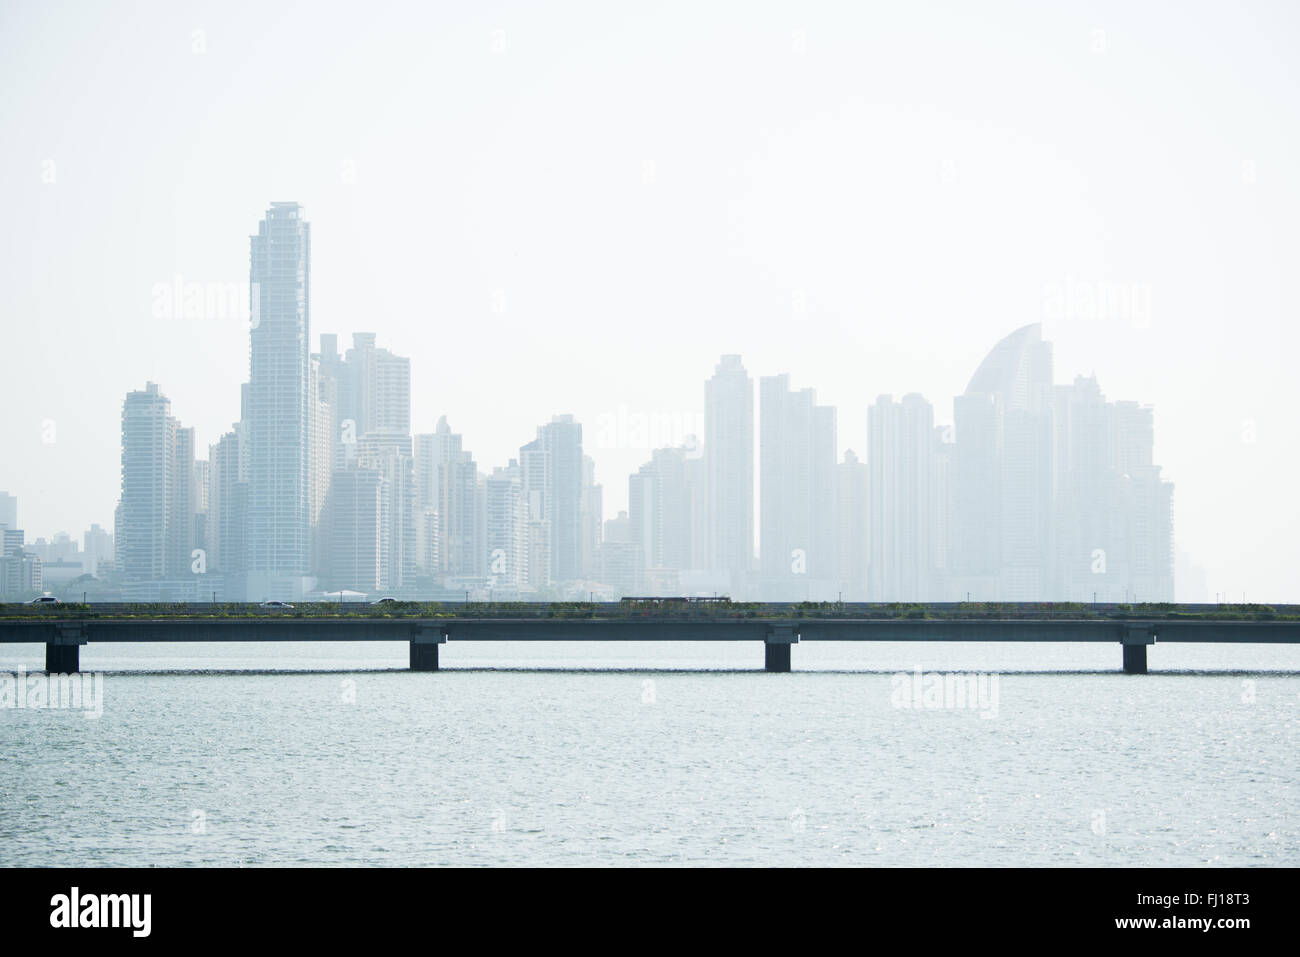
1054,490
1019,369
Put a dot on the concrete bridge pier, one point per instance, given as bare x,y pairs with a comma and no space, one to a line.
1135,641
63,652
424,647
776,648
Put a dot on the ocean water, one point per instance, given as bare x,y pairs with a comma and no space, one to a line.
672,754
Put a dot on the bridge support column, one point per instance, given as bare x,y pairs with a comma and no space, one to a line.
424,647
776,648
1134,642
63,653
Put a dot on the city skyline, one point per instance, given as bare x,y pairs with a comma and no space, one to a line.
1037,491
656,436
671,427
835,204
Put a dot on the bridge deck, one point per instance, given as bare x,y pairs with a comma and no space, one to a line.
272,628
63,629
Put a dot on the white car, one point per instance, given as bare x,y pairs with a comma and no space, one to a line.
274,603
384,601
45,600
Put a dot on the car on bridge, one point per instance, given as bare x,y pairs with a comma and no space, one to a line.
274,603
386,600
45,600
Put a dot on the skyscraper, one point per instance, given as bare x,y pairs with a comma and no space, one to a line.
446,480
361,418
278,406
1114,521
378,384
729,457
228,506
339,389
321,452
1003,474
184,503
797,451
1028,500
785,480
202,484
660,521
1053,490
852,521
696,474
593,519
620,558
389,453
21,571
944,447
155,519
506,528
976,488
823,564
97,545
353,527
561,438
535,473
901,544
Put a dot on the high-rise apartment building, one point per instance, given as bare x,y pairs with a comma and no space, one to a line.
447,483
353,528
561,438
852,521
97,547
592,519
1113,514
660,518
506,525
536,476
797,454
278,408
390,454
155,519
622,570
729,458
227,529
322,442
900,462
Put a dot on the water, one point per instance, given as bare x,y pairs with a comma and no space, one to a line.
655,754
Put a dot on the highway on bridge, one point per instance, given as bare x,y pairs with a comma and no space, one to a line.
64,628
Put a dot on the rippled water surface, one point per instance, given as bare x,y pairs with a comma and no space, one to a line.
614,753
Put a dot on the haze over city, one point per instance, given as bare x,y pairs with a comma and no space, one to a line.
549,222
584,435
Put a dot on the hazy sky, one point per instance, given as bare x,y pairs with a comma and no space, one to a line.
578,207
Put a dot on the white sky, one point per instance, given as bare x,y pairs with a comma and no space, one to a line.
643,191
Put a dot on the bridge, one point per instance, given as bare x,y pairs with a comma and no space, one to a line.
65,628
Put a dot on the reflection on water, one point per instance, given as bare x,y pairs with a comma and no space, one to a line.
613,753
